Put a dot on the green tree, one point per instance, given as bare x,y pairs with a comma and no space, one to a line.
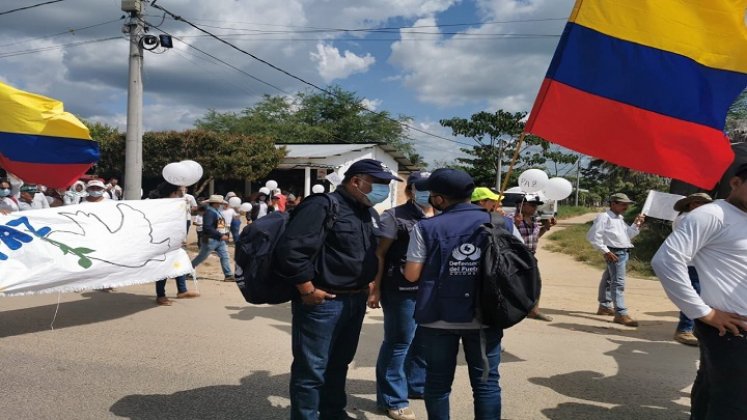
497,135
222,155
736,119
311,117
603,178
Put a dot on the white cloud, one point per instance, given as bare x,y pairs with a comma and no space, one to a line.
488,64
371,104
433,149
333,65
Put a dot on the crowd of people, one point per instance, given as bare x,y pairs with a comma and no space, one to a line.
403,262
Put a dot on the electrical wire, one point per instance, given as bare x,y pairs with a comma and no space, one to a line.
69,31
7,12
293,76
57,47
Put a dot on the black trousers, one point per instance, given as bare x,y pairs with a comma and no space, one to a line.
720,388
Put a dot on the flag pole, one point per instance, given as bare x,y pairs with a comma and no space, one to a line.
513,161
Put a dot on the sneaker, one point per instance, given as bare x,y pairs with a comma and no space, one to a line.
163,301
229,278
625,320
415,396
603,310
686,337
187,295
405,413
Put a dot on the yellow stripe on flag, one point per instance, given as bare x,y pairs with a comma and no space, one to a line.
711,32
28,113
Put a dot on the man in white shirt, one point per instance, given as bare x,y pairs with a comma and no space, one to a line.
713,238
191,206
114,190
612,237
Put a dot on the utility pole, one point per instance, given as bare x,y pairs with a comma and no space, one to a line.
134,139
578,176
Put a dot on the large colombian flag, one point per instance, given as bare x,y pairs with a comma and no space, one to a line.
40,142
646,84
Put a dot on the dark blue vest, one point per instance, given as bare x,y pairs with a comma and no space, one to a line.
405,217
451,269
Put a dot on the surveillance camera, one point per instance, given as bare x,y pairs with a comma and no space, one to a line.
149,42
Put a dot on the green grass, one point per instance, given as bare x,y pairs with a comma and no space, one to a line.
566,212
572,241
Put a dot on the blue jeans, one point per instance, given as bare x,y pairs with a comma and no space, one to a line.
441,348
220,248
612,285
719,388
686,324
181,286
325,338
235,229
400,368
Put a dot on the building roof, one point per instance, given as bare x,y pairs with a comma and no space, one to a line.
325,150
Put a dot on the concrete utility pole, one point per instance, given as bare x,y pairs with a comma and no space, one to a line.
134,139
578,176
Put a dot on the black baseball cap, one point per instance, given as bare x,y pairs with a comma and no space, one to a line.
417,176
372,167
453,183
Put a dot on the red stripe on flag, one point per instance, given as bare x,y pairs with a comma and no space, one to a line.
51,175
630,136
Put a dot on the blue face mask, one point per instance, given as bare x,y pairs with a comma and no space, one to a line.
421,198
4,192
379,193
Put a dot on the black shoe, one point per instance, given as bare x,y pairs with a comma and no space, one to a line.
415,397
229,278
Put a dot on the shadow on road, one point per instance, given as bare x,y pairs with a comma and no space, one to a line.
259,396
659,365
99,307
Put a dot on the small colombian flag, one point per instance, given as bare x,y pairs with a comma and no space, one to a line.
646,84
40,142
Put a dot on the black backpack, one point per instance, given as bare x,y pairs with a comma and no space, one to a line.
509,285
254,256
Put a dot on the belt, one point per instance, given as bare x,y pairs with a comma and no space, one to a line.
619,249
344,292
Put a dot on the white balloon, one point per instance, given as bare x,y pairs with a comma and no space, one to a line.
177,174
514,190
317,189
234,202
196,167
271,185
557,188
245,207
532,180
264,190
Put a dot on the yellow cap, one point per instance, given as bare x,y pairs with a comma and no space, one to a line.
484,193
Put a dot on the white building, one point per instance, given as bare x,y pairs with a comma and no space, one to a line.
315,162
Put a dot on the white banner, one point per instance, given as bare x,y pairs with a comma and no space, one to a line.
660,205
92,246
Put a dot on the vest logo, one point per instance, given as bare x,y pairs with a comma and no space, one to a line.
466,252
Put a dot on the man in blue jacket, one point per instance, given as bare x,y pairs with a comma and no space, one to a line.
443,256
215,236
332,271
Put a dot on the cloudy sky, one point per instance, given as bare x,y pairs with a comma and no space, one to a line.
429,59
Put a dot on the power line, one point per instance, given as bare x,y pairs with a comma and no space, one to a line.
71,31
29,7
313,85
57,47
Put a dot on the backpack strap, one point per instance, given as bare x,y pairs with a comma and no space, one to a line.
334,210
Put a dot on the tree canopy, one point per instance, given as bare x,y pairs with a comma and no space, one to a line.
497,135
314,118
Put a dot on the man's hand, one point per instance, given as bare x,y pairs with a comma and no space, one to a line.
224,238
725,321
640,219
518,218
374,296
610,257
317,297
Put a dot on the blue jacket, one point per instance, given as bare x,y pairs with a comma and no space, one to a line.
450,271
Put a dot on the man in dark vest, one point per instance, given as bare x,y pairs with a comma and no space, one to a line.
332,271
400,368
443,257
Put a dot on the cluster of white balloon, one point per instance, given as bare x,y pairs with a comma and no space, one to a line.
184,173
536,181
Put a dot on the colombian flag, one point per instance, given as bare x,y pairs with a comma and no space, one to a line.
646,84
40,142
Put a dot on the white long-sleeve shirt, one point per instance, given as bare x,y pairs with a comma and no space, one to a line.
610,231
714,238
